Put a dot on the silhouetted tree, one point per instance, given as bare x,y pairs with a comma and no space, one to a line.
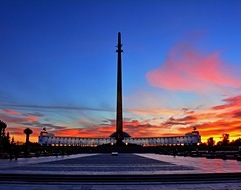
236,142
12,141
27,132
210,141
6,143
225,140
3,126
203,144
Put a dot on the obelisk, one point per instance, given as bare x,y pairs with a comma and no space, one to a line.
119,117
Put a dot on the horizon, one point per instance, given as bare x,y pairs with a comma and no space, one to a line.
181,67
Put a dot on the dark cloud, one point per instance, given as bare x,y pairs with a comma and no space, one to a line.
36,114
43,107
105,121
237,114
187,111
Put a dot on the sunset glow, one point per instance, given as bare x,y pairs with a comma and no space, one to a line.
181,67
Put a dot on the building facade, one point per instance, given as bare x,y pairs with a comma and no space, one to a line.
48,139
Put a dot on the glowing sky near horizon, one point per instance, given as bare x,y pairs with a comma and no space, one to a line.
181,67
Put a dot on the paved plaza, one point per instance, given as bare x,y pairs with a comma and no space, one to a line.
125,186
138,165
97,164
122,164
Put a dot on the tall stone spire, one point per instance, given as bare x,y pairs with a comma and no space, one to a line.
119,117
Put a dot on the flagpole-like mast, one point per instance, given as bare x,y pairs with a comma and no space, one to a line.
119,117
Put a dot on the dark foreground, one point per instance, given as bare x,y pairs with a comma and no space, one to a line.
176,178
125,171
213,181
221,185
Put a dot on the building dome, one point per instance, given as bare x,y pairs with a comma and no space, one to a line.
125,134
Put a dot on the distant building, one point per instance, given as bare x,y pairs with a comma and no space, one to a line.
49,139
119,137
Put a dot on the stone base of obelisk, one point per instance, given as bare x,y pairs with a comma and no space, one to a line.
120,143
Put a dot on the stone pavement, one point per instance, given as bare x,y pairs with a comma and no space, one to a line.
121,164
200,165
93,164
235,185
128,164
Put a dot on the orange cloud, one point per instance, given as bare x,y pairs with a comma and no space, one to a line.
82,121
230,103
212,122
187,69
154,111
19,136
18,121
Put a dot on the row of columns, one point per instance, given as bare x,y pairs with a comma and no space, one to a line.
69,141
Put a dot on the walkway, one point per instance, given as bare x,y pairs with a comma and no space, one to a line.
126,186
138,171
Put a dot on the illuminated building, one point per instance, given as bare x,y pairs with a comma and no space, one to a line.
119,137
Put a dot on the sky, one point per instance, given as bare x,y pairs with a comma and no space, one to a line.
181,67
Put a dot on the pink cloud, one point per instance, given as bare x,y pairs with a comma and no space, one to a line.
32,119
12,112
22,119
230,103
187,69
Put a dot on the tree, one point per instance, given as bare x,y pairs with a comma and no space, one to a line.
12,141
3,138
3,126
210,141
238,142
5,142
225,140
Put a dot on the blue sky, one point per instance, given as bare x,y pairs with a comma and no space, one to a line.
58,64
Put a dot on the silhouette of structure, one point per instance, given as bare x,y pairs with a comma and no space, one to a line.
119,134
119,137
49,139
27,132
119,117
